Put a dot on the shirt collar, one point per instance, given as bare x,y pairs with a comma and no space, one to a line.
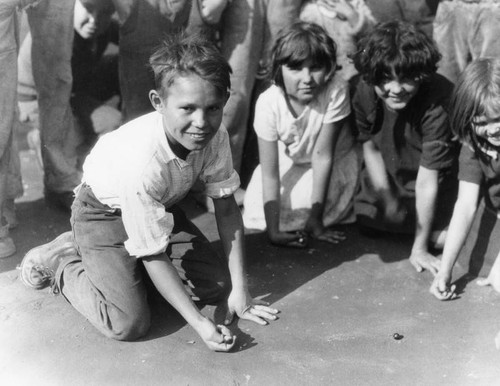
162,138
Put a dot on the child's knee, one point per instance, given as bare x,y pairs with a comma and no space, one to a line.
130,327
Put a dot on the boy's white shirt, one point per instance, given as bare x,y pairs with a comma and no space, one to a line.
135,170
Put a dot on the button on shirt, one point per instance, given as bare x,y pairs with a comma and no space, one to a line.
135,170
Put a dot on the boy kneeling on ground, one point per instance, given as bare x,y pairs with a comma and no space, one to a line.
125,217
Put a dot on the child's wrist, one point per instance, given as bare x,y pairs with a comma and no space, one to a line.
199,322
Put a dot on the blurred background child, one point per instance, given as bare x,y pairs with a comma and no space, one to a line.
407,182
473,234
465,30
308,169
95,88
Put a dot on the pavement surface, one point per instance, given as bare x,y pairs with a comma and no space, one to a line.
340,308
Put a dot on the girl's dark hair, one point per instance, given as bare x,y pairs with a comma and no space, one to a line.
398,48
477,93
299,44
184,54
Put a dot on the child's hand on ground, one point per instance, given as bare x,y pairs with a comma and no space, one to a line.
319,232
332,237
493,278
441,288
216,337
422,260
245,307
289,239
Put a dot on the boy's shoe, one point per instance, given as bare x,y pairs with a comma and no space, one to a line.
39,265
7,247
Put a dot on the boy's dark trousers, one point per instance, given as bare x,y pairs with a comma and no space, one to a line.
108,286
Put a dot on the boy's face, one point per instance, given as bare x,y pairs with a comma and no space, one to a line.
487,128
397,92
192,112
304,83
92,17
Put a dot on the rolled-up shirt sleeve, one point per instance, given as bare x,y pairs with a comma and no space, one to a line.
364,110
437,146
339,104
469,168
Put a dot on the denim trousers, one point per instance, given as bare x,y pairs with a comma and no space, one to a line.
110,287
465,31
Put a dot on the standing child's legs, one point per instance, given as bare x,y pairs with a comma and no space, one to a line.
9,181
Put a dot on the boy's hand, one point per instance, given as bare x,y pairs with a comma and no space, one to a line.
217,338
441,289
422,260
247,308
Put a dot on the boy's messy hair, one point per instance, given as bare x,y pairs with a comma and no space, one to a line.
477,93
395,48
183,54
302,43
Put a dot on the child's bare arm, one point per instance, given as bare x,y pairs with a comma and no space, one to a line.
268,156
322,162
426,189
461,221
167,281
230,226
375,167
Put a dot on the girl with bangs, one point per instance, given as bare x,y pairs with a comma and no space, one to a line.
473,233
308,170
408,182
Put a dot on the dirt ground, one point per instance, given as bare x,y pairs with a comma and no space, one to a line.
340,308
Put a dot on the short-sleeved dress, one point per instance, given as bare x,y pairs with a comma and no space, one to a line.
481,166
296,138
418,135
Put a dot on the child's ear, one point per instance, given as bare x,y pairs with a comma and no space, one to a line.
156,100
228,94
